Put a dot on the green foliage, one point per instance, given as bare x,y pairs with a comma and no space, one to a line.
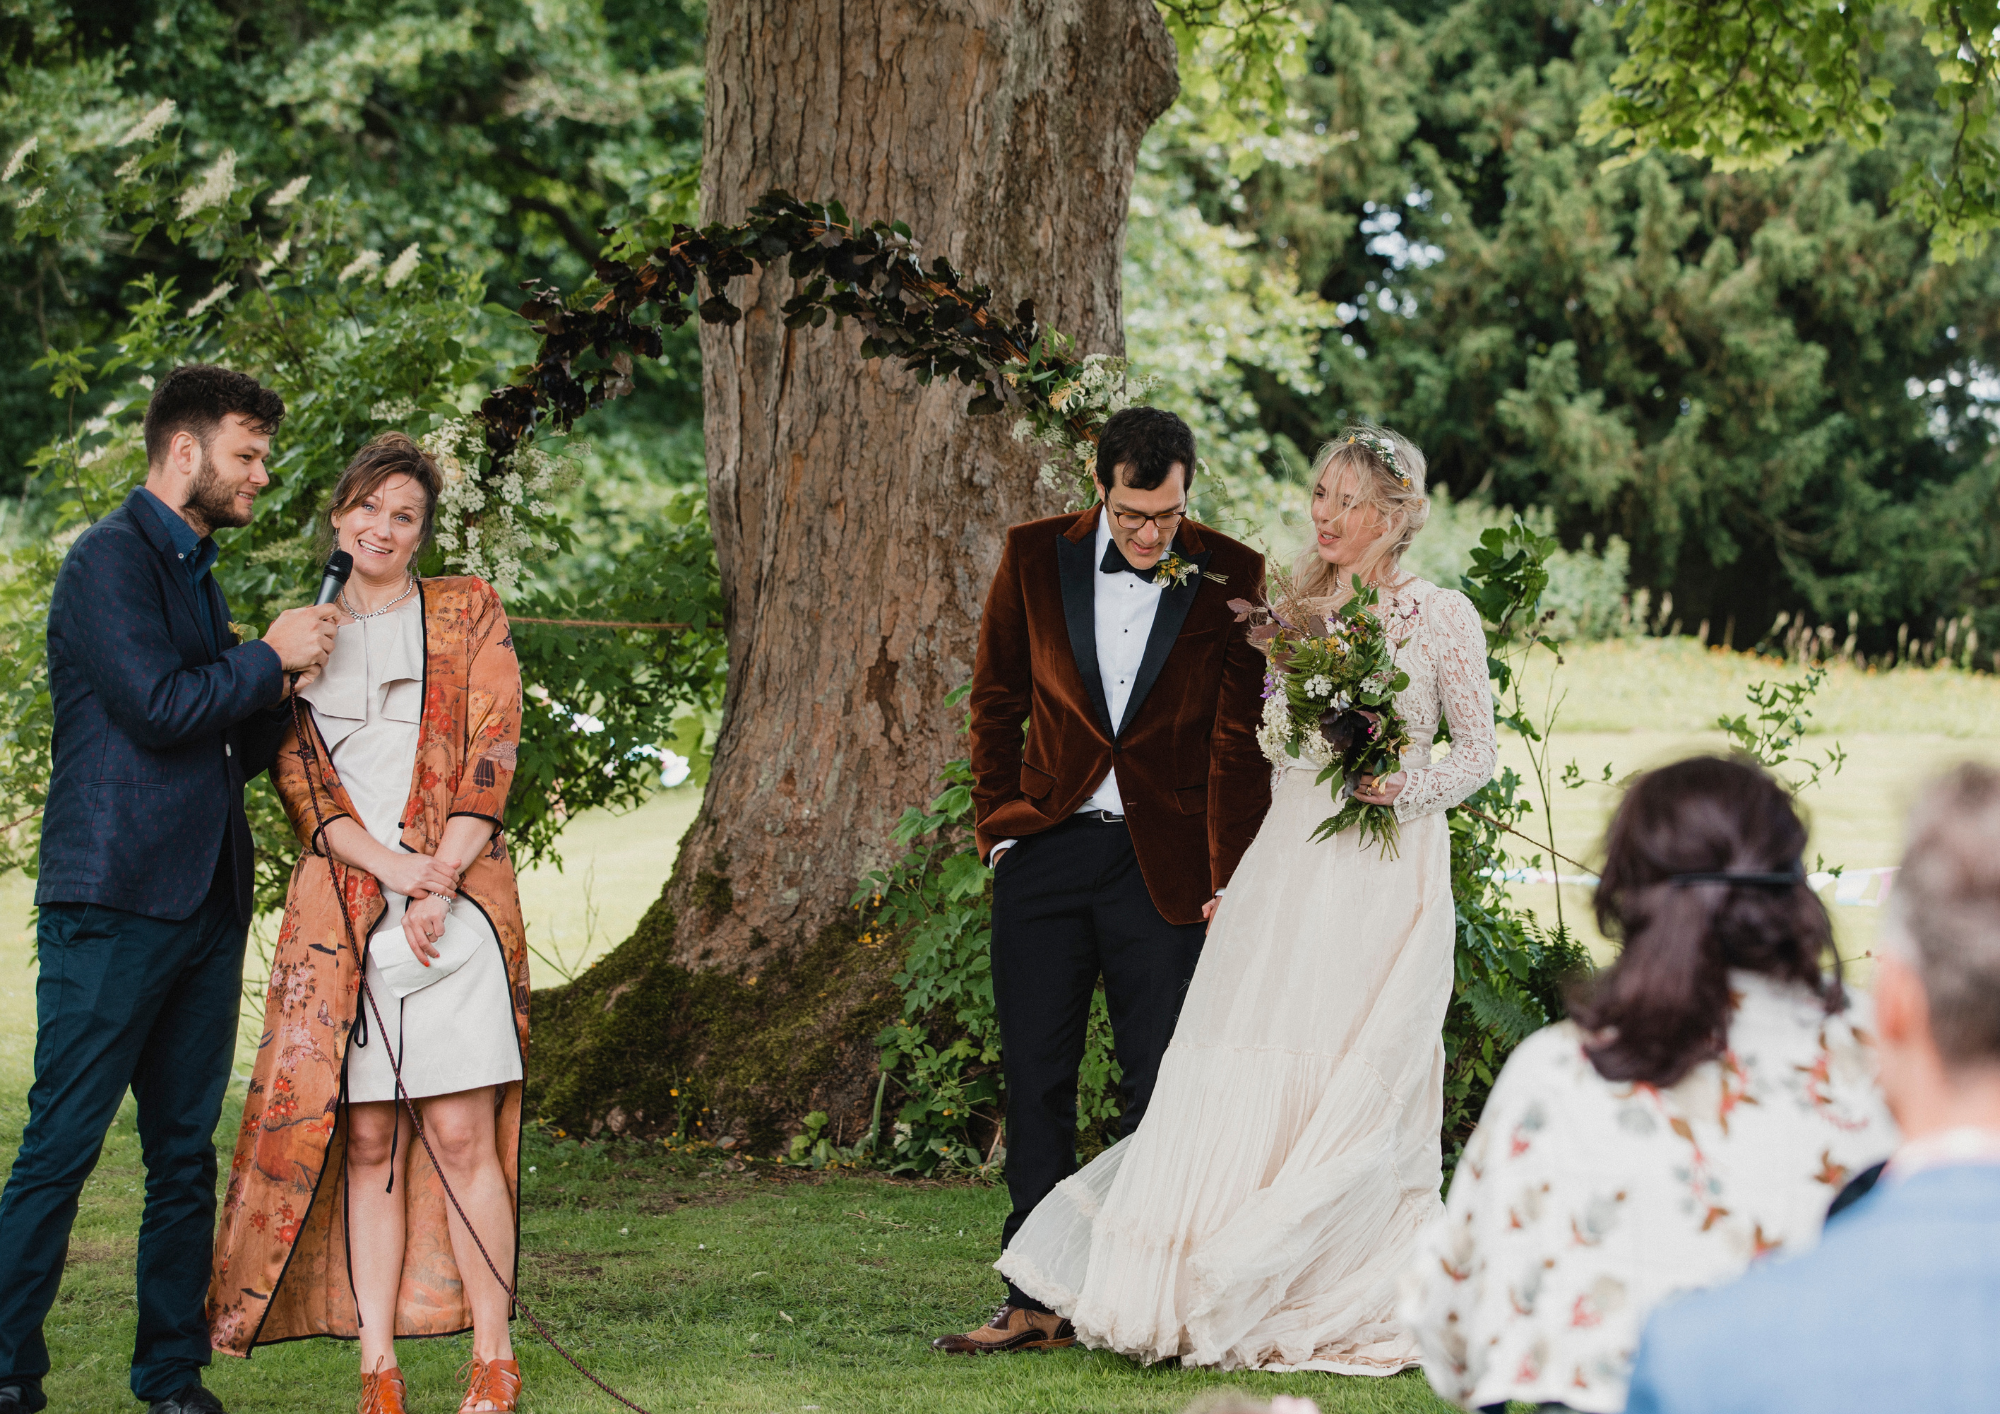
1236,57
943,1055
1772,737
1510,969
1750,85
354,345
500,137
1745,85
1586,596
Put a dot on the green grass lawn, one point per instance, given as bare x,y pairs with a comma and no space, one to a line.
684,1284
1639,703
693,1287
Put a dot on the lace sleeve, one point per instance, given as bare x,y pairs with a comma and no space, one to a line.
1457,646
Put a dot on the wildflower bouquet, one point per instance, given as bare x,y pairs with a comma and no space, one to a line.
1330,700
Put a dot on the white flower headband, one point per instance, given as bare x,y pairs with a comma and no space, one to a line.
1383,449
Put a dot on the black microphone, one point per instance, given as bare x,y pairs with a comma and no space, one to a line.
339,565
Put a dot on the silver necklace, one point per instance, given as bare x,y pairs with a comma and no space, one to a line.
354,613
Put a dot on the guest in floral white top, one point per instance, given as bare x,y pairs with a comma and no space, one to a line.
1701,1110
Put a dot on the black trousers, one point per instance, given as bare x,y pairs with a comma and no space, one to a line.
1070,906
124,1002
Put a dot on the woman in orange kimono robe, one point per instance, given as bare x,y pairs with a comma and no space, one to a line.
283,1268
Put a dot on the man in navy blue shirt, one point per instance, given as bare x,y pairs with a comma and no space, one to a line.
145,878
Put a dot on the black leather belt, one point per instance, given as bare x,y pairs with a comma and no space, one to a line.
1099,817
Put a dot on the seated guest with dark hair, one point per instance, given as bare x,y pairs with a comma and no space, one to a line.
1899,1307
1700,1110
144,889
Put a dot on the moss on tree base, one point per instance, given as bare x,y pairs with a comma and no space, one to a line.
644,1045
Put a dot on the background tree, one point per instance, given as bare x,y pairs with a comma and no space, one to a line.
1760,380
858,515
1750,85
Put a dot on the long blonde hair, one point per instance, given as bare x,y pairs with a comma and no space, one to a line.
1400,499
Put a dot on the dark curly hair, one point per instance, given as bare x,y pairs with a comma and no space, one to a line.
196,397
1663,1007
1149,440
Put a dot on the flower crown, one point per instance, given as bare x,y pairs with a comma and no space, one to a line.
1386,451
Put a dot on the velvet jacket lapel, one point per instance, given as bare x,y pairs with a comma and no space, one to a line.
1078,569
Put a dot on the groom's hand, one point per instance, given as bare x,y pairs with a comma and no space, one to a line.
1208,909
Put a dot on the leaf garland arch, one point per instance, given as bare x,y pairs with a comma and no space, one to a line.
928,317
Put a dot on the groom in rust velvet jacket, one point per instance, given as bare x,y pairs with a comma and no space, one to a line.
1115,822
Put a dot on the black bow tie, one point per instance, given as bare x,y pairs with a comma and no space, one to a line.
1114,561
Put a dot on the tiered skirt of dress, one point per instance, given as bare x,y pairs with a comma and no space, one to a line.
1266,1211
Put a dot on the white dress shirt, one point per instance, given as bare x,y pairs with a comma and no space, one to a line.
1124,606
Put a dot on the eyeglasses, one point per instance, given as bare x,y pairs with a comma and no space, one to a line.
1166,521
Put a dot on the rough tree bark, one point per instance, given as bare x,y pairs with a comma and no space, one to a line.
857,515
858,518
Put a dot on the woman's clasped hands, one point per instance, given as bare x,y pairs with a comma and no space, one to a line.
430,884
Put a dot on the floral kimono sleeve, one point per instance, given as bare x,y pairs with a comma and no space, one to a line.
492,717
306,785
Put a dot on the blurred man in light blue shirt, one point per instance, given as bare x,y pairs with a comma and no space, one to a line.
1899,1306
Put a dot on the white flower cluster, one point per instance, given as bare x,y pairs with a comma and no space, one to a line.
488,525
1102,386
393,410
280,253
20,157
1319,685
148,127
214,188
288,193
362,267
403,266
1275,733
208,301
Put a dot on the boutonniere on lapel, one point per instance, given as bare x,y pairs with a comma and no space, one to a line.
240,632
1173,572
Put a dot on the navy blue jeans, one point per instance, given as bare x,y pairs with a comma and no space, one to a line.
124,1001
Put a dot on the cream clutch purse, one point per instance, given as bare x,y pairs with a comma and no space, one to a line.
401,971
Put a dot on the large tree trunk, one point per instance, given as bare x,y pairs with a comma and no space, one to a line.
858,518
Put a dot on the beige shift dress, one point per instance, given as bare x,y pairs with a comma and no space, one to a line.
457,1033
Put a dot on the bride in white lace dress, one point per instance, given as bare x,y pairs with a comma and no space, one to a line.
1266,1209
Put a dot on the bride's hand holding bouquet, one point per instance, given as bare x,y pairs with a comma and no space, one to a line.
1330,700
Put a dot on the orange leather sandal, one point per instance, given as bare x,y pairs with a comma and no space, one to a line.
495,1384
383,1392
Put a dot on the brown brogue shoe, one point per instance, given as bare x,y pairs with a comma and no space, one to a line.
1012,1328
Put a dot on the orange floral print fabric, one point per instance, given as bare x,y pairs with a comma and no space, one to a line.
280,1266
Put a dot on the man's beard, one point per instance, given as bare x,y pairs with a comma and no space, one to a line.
212,502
